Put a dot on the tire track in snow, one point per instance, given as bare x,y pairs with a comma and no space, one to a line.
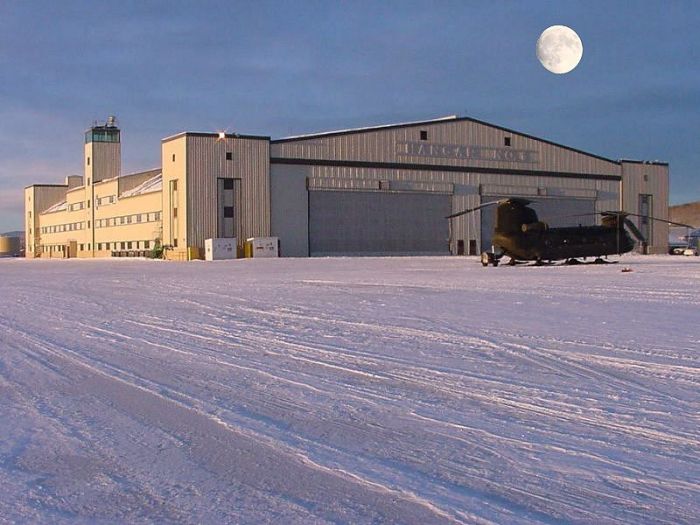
218,447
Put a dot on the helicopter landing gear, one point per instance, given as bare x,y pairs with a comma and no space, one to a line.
488,258
512,262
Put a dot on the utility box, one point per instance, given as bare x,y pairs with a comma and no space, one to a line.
220,249
262,247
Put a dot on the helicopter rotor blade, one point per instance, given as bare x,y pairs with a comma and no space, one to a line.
574,215
660,220
635,231
470,210
621,213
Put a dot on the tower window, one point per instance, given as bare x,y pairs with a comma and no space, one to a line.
506,141
228,184
88,161
229,155
423,134
228,212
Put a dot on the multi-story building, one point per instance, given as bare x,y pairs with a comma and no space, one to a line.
377,190
99,214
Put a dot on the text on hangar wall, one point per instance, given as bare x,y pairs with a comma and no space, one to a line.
454,151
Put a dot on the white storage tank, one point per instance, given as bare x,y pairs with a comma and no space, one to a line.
220,249
262,247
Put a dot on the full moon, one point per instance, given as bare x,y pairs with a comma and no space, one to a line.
559,49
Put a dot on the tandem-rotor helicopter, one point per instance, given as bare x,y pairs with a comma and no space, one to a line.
523,237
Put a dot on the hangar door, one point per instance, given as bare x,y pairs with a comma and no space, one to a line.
378,223
556,212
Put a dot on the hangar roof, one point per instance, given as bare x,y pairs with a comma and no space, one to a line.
442,120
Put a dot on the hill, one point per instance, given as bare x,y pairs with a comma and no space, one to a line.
15,233
686,213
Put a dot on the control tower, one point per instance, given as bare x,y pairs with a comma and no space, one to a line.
102,152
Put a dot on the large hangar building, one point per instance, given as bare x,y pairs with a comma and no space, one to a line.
382,190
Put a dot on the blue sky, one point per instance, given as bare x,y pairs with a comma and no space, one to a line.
281,68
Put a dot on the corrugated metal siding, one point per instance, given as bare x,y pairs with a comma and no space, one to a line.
174,159
36,200
206,162
129,182
656,184
105,160
389,145
46,196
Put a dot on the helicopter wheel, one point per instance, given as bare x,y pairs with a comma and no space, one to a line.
512,262
489,258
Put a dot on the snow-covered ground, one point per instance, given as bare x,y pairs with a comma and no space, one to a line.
399,390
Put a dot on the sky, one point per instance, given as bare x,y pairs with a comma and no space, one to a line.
283,68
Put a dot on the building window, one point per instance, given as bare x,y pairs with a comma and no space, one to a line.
128,245
123,245
175,243
174,185
146,244
88,203
228,212
157,216
173,157
229,155
228,184
82,247
88,181
423,134
174,213
88,163
506,141
88,224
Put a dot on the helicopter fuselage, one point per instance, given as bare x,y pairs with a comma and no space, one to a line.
549,244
